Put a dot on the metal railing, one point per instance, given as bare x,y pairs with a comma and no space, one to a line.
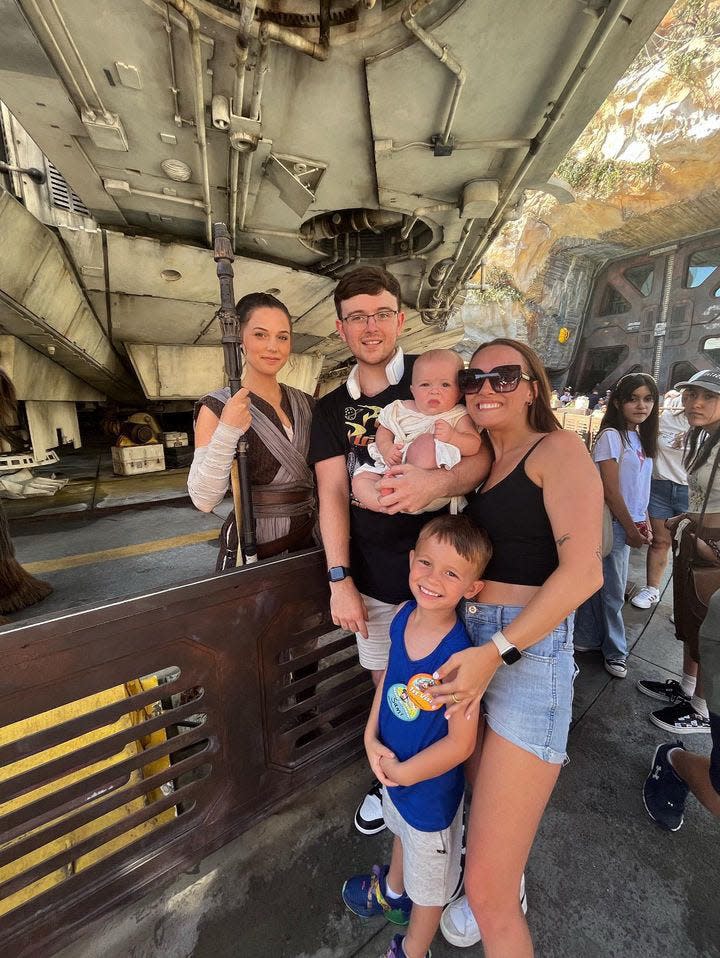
110,782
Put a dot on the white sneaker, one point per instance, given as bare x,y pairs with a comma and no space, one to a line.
458,923
645,598
617,669
369,814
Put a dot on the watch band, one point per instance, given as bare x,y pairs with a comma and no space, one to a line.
508,652
337,573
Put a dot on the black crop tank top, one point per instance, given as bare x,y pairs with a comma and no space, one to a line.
513,514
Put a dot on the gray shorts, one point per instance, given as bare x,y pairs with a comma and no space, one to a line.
373,651
431,860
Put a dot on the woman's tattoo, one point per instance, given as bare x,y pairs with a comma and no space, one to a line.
599,555
562,540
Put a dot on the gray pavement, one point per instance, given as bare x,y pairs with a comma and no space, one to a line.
603,881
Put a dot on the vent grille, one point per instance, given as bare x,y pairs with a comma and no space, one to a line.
61,195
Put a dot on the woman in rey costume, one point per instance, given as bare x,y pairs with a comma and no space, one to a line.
276,420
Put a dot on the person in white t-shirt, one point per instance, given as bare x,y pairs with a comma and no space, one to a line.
624,451
668,494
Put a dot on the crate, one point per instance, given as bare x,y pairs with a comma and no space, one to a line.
177,457
133,460
175,440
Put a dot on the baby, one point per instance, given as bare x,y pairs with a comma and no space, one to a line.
431,430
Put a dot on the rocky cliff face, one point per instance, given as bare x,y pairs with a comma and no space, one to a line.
645,171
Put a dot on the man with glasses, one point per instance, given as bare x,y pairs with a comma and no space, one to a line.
367,552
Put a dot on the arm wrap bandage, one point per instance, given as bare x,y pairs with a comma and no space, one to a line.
210,470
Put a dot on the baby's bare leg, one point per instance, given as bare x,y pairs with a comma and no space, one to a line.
365,491
421,452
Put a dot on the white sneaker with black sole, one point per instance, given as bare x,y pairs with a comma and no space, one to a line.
646,598
458,923
369,814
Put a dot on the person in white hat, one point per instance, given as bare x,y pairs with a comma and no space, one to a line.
687,711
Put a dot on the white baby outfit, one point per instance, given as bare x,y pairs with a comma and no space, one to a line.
406,425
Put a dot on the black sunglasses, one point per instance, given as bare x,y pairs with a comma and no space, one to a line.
502,379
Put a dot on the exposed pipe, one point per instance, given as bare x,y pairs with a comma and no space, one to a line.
73,46
662,318
247,17
151,194
173,75
241,56
261,69
108,297
610,17
345,259
424,211
246,173
187,10
261,231
274,32
60,55
324,267
506,144
242,49
444,55
349,221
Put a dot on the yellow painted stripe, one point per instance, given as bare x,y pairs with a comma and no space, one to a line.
121,552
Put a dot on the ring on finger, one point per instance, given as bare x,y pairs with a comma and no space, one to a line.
454,697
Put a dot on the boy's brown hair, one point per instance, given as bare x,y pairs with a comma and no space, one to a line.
460,532
365,280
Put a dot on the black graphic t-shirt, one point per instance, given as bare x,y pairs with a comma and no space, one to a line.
379,544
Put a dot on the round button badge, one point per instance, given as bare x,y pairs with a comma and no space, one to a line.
400,703
417,690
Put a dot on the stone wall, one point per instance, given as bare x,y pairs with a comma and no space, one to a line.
644,171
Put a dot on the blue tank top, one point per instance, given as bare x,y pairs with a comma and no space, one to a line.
430,805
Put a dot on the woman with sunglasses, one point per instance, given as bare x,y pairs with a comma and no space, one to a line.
541,506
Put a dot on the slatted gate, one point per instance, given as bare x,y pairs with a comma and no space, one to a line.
137,738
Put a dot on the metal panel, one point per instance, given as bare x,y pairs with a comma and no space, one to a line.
691,315
264,698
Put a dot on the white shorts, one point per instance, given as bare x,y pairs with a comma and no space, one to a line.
431,860
374,650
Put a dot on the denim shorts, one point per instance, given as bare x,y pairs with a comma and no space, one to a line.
529,702
667,499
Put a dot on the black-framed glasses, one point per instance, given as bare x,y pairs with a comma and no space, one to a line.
502,379
362,319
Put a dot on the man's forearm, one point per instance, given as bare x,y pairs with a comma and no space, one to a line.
334,514
465,476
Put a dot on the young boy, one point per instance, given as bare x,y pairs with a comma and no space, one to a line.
413,750
432,430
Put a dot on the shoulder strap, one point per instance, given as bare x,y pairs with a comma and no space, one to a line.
623,447
713,473
534,446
